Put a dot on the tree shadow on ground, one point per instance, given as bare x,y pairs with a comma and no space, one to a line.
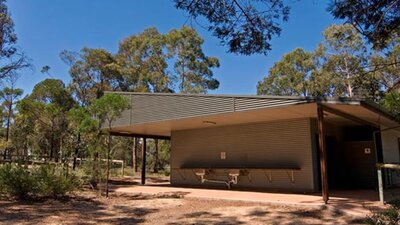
76,210
204,217
258,213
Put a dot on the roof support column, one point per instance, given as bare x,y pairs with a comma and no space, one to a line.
144,146
322,153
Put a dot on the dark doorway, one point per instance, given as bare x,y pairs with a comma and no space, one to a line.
351,159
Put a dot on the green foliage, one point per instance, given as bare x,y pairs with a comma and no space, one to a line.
389,216
9,96
109,107
45,110
16,181
143,62
193,69
342,54
81,120
386,66
12,59
376,20
53,181
391,101
92,173
290,76
247,27
340,66
21,182
93,71
52,91
142,65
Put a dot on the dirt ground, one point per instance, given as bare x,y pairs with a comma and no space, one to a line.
87,208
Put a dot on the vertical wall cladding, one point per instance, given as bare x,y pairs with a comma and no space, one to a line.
273,144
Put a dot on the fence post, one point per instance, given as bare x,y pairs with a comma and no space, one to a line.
123,167
380,185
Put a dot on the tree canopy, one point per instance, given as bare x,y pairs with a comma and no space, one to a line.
193,69
377,20
248,27
147,62
340,66
11,58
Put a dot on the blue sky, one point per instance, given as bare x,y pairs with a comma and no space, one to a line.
46,27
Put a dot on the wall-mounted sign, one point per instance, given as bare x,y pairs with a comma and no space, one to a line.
223,155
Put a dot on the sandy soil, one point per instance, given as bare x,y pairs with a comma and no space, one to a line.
87,208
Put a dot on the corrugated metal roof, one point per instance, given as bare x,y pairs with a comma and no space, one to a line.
156,107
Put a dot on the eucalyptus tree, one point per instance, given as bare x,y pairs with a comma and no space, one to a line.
385,65
391,101
22,131
340,66
193,69
143,62
289,76
46,108
9,96
93,71
377,20
82,130
11,58
107,109
247,27
344,58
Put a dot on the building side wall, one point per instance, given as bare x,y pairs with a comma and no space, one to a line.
390,146
272,144
391,152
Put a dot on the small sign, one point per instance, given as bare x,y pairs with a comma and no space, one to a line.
367,151
223,155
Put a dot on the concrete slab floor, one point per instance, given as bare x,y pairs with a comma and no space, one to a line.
352,202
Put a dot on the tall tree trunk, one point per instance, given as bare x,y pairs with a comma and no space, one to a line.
348,76
9,107
9,120
52,144
183,78
108,162
155,169
95,168
60,150
76,150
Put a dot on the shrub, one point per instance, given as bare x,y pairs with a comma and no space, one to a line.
389,216
92,172
21,182
16,181
167,172
53,181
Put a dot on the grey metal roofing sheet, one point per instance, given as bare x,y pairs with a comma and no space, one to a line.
154,107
